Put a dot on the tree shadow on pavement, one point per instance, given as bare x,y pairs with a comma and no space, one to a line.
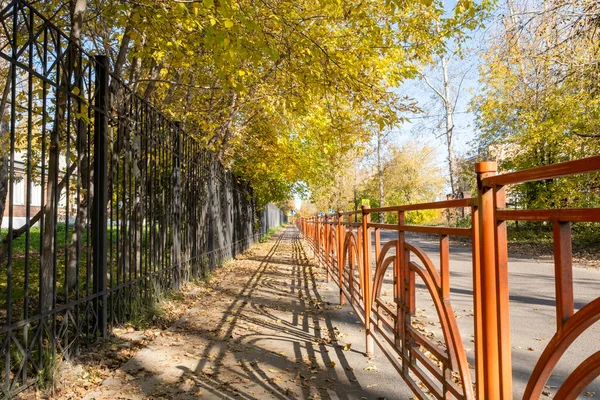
274,340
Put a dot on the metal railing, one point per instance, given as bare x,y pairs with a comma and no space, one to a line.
105,201
343,244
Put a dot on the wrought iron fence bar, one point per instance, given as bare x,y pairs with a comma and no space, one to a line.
100,189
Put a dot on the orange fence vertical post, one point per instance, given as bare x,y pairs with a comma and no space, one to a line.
495,325
367,278
322,236
327,245
341,256
400,281
311,233
316,236
563,272
503,301
477,293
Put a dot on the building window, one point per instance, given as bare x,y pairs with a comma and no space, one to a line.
36,195
19,191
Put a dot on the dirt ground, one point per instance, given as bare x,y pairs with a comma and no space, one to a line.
265,326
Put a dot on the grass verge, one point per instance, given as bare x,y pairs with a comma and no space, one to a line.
270,233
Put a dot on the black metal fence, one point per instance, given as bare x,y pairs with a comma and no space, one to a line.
271,217
104,201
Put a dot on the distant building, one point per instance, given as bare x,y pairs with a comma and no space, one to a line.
19,207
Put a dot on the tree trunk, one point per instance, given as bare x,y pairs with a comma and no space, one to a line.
84,181
4,125
120,60
154,71
136,65
4,131
380,175
449,120
84,176
50,215
53,192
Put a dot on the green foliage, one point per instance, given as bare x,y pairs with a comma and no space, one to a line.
19,244
49,371
423,217
583,234
410,176
540,104
281,91
463,222
270,233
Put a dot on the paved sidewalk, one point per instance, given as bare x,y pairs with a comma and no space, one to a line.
269,329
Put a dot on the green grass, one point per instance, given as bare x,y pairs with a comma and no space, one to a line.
270,233
25,274
19,244
25,268
540,233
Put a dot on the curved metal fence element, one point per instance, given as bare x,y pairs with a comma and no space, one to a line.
105,202
349,246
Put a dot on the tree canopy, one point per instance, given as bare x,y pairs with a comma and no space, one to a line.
410,175
281,90
539,102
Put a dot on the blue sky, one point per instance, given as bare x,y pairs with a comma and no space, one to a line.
421,127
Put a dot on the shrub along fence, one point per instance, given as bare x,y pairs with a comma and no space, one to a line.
104,201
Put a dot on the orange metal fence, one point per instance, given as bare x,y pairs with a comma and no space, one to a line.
342,243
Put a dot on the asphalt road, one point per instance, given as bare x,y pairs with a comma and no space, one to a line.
532,312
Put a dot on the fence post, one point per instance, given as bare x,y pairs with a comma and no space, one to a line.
402,286
327,246
100,198
496,349
477,293
316,235
177,205
321,236
341,256
367,279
